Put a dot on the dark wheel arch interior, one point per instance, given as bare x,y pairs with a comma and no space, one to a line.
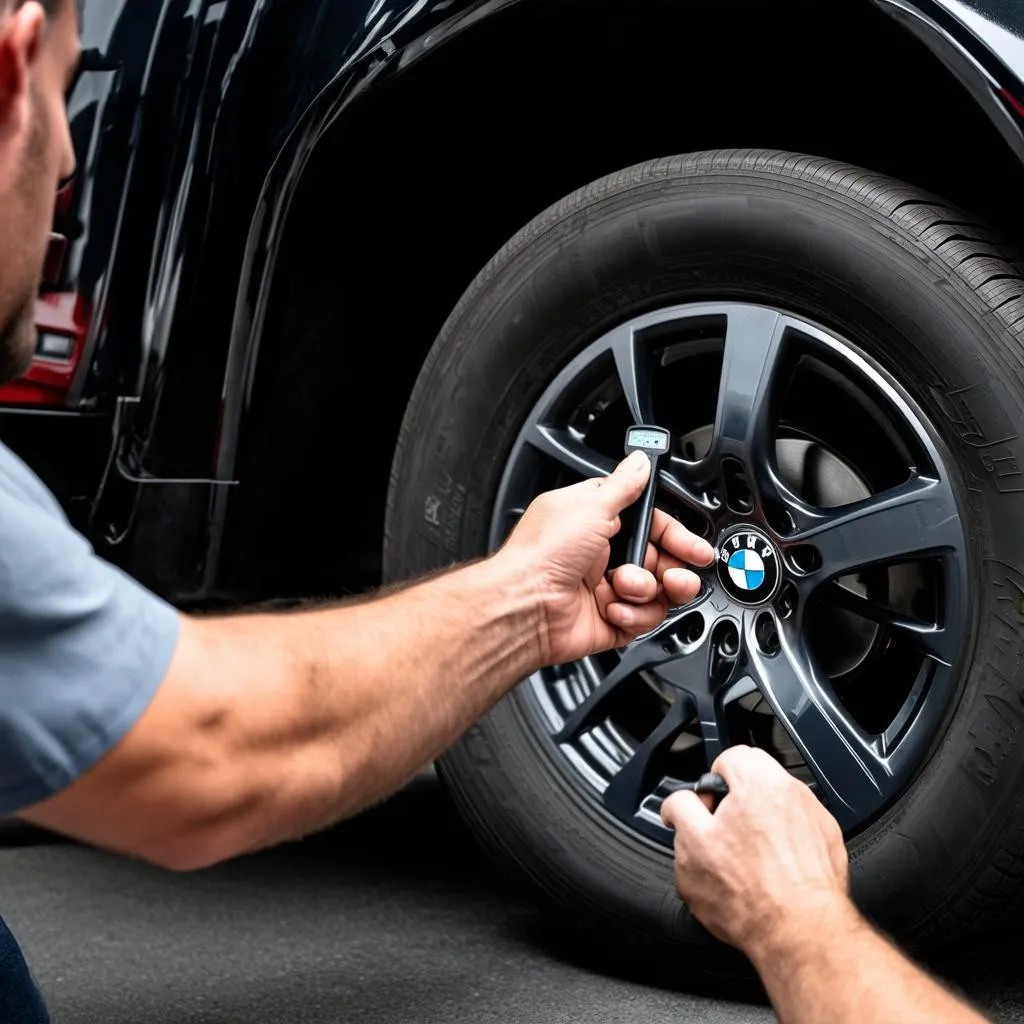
421,183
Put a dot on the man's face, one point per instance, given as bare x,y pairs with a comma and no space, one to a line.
38,57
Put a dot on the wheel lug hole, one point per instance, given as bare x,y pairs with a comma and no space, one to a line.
766,633
803,559
690,628
727,638
785,603
779,518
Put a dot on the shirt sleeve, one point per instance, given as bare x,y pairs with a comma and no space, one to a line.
83,649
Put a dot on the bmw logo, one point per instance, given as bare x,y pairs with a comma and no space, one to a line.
748,566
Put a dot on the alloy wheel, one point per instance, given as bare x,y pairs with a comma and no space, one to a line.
827,629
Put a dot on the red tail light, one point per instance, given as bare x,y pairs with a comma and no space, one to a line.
62,322
1017,105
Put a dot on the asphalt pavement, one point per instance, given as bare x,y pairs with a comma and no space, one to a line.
394,918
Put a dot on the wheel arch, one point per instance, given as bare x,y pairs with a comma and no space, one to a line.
399,198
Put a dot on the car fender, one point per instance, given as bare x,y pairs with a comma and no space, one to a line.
983,54
982,45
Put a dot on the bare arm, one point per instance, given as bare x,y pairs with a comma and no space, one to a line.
768,873
831,965
269,726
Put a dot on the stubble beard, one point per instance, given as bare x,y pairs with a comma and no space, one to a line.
18,338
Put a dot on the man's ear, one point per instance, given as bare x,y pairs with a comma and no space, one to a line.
21,34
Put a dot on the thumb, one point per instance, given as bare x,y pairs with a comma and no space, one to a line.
625,483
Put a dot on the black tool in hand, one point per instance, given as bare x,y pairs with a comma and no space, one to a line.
654,442
710,783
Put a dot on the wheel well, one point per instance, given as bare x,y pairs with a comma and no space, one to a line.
416,188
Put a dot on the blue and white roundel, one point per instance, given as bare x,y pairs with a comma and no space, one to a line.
746,569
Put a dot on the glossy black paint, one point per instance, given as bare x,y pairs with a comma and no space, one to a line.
199,126
982,43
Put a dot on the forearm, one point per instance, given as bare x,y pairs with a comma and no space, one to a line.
364,695
832,965
341,706
270,726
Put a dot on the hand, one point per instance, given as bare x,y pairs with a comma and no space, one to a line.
769,859
562,541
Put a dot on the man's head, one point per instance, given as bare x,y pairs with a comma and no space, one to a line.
38,57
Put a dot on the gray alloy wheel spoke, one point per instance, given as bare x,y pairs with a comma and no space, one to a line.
636,779
592,708
917,518
691,674
675,479
769,485
893,741
572,453
742,686
926,637
846,763
753,342
647,651
713,729
634,372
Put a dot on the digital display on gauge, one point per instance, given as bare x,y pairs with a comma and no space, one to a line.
641,437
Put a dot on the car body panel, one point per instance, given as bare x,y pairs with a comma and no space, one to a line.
194,121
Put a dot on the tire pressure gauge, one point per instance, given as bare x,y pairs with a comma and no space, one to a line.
654,442
709,784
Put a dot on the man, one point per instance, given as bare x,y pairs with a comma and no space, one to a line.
186,741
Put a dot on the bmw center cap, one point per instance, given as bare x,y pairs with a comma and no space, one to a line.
748,566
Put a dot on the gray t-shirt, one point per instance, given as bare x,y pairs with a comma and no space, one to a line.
83,647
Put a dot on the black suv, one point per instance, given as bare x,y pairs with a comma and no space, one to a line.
346,284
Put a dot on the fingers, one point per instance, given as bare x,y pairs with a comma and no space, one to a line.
639,586
685,812
634,584
681,586
677,540
632,600
741,762
624,484
634,619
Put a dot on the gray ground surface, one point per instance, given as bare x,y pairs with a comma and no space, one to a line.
392,918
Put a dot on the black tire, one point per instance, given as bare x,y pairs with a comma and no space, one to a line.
938,300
